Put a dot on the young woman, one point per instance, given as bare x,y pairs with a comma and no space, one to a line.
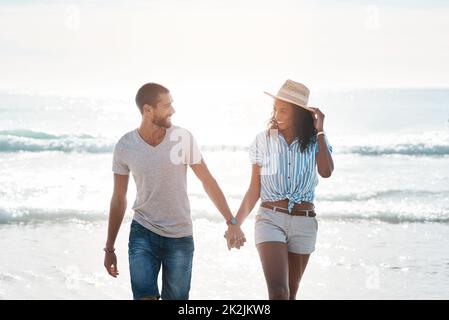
285,159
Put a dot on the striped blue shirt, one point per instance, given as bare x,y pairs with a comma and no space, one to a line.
286,173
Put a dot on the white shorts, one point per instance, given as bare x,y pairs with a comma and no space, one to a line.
298,232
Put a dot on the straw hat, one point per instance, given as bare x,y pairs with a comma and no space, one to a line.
293,92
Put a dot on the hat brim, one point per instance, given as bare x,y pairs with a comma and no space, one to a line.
287,100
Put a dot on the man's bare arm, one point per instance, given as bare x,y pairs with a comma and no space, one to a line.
116,213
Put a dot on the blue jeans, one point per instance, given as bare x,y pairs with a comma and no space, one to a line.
149,251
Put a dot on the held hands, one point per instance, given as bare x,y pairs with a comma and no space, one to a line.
235,237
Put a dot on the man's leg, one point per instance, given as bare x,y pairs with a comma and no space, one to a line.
177,258
144,262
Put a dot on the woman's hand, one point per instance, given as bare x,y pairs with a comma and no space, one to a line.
318,119
235,237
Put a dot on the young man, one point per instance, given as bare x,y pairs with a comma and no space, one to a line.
157,154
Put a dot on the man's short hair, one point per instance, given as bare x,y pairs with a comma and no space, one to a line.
149,94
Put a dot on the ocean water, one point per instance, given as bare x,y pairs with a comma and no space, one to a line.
384,213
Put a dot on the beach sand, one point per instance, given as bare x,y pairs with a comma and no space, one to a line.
353,260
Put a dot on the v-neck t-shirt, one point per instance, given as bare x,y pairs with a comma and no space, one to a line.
160,173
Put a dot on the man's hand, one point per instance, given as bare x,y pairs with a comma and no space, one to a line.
235,237
110,263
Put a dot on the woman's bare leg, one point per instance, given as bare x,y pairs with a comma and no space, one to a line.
297,264
274,258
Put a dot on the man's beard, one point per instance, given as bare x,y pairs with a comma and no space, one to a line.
162,122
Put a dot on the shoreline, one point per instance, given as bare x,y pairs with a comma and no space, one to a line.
353,260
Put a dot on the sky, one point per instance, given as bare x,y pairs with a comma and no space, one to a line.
112,47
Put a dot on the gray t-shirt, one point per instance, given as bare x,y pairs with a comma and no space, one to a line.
160,174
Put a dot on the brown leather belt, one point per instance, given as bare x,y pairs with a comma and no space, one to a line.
295,212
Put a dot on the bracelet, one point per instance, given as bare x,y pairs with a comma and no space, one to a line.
109,250
321,132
